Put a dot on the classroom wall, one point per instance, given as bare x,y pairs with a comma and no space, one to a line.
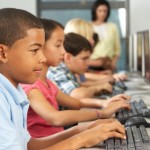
29,5
139,15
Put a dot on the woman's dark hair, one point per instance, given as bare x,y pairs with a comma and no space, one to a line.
96,4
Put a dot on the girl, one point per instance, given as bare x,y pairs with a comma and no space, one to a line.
44,117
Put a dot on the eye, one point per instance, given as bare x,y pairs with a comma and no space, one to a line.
59,45
85,59
34,50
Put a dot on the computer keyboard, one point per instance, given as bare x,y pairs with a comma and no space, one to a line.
121,85
116,92
137,139
138,108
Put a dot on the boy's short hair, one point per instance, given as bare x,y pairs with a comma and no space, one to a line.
75,44
14,24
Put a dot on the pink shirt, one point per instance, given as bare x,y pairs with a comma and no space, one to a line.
37,126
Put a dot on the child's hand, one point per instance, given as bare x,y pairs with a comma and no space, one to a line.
104,87
120,97
114,107
120,77
102,132
92,124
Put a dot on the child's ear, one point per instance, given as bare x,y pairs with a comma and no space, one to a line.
67,57
3,53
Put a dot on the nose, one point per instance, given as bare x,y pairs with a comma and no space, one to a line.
88,62
42,57
63,50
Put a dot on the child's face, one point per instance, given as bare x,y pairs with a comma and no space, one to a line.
25,58
79,63
54,49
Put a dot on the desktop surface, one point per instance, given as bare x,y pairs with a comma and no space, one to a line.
136,94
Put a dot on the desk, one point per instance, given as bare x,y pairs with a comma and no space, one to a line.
101,147
135,95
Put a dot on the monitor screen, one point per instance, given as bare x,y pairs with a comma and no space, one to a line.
140,54
130,53
146,54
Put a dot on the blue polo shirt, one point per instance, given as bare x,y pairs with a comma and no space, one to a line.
13,111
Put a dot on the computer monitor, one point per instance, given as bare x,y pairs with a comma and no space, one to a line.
146,44
133,53
130,52
140,54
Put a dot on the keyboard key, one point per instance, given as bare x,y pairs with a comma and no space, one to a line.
137,139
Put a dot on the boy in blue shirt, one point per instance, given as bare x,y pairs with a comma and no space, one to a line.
21,59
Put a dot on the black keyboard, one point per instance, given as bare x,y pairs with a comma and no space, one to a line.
121,85
116,92
137,139
138,108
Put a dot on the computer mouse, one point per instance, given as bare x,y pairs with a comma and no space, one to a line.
136,121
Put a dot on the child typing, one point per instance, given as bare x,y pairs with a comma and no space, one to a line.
44,96
21,59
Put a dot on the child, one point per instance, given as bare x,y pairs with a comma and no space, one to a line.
75,62
21,59
77,25
44,96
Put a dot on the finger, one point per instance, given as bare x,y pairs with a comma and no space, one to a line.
123,104
113,126
115,99
116,135
127,106
126,97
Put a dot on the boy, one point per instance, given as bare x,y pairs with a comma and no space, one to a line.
75,63
21,59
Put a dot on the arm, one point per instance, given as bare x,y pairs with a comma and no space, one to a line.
43,108
90,91
73,103
79,139
96,79
96,62
67,117
98,76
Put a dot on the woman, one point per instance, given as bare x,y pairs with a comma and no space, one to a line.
109,43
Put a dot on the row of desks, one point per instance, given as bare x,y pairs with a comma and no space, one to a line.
137,89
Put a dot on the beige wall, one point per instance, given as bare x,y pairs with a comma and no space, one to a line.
29,5
139,15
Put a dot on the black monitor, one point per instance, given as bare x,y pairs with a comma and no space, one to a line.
131,54
140,54
146,54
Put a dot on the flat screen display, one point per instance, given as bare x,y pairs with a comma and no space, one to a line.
146,54
139,52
